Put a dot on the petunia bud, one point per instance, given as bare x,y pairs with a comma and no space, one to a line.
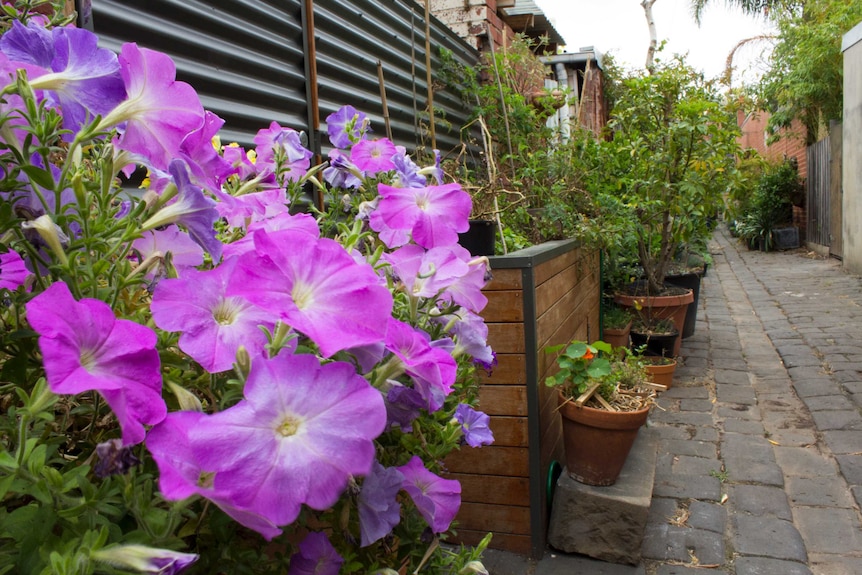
144,559
243,363
187,400
473,567
51,234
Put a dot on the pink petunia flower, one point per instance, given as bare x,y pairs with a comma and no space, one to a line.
336,302
426,273
433,370
84,347
213,324
276,144
160,112
185,253
437,499
433,215
373,156
181,474
301,432
13,271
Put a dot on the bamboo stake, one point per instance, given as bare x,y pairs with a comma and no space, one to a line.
428,74
383,99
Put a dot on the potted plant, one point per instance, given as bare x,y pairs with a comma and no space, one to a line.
616,325
660,369
669,161
604,398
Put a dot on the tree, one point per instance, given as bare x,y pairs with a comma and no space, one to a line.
671,156
753,7
805,79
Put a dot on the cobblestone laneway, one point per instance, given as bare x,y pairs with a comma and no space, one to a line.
759,467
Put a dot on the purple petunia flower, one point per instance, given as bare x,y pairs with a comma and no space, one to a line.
379,510
242,211
402,405
433,215
191,209
213,324
285,143
466,289
471,336
437,499
346,126
433,370
83,78
474,425
336,302
373,156
406,171
302,430
13,271
84,347
341,173
159,112
316,556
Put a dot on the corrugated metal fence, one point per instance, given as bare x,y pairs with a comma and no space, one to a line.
253,61
818,193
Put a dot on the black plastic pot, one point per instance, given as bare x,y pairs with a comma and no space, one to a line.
660,344
692,282
479,239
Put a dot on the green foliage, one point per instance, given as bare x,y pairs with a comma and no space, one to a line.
659,180
805,79
582,365
527,174
777,190
615,317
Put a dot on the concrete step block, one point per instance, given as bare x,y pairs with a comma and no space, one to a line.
607,523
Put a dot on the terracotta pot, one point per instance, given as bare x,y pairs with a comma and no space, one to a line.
617,337
672,307
597,441
661,373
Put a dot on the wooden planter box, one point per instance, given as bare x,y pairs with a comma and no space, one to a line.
544,295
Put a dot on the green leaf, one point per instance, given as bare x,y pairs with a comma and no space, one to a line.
41,177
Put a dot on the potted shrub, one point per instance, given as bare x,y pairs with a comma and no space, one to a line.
605,397
670,159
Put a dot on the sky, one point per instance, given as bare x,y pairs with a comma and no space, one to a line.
619,26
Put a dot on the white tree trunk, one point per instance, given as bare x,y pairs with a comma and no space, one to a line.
653,36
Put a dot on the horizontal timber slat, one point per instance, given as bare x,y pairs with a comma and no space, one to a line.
505,280
492,460
503,491
504,306
509,431
506,337
511,369
497,518
503,400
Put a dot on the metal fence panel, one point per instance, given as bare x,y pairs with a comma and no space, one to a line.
818,193
246,59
